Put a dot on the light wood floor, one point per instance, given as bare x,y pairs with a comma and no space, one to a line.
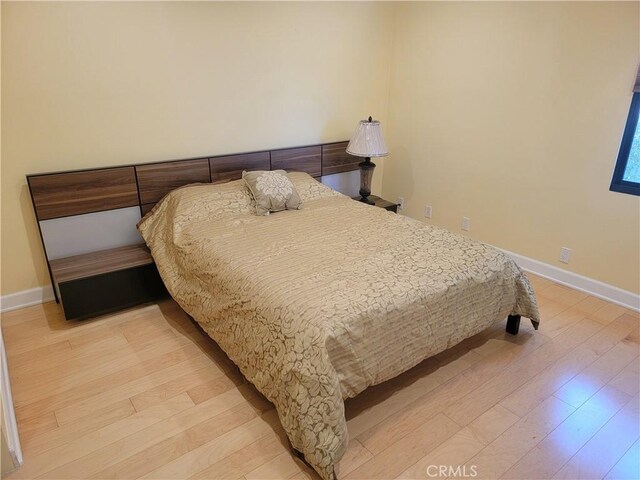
143,393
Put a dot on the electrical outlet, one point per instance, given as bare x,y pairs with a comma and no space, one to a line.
400,203
428,211
565,255
466,224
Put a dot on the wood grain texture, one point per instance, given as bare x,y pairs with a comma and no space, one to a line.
230,167
158,179
335,159
304,159
495,401
75,193
96,263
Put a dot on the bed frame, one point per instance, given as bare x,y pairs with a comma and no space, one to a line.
86,218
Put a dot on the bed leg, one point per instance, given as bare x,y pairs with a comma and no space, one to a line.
513,324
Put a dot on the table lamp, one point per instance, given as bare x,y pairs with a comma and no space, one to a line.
367,142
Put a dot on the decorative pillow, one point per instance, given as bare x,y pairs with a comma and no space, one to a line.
272,191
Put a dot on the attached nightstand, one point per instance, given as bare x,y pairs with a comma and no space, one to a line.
381,203
105,281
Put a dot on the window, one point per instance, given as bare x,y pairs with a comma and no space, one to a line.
626,176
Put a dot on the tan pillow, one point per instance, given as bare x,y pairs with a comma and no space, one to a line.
272,191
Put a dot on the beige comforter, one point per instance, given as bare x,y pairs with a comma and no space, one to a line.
318,304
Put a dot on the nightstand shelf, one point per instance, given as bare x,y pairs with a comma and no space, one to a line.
100,282
381,203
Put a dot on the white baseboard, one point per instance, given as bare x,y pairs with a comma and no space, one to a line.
26,298
588,285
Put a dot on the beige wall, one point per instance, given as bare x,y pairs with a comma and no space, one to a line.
92,84
508,113
511,114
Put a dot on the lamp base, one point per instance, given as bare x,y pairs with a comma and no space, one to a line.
366,173
367,200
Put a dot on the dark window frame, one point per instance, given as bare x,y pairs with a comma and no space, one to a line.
617,183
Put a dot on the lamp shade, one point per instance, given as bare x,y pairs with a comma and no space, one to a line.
367,140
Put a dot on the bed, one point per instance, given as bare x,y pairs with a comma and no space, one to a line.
315,305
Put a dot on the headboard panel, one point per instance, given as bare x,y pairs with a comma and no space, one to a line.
304,159
75,193
230,167
335,159
157,179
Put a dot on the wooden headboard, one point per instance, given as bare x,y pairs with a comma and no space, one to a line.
63,194
83,215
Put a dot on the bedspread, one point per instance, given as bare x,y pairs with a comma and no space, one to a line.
315,305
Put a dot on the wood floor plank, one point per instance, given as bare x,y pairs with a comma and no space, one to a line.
282,466
176,386
120,409
65,360
551,308
154,328
246,459
396,426
497,457
183,442
472,405
78,428
407,451
615,331
564,295
305,474
548,380
355,456
492,423
202,457
455,451
538,283
80,339
392,399
121,447
37,425
603,451
463,445
212,388
29,314
562,320
589,305
44,352
83,398
607,313
40,464
548,457
384,400
628,467
37,386
52,328
628,380
581,387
